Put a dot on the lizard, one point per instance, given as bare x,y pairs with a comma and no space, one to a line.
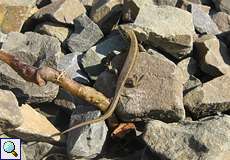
126,69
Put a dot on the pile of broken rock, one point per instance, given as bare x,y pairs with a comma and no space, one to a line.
180,104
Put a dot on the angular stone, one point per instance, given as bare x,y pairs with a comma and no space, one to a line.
154,91
106,13
191,83
12,18
213,55
202,21
190,140
91,60
42,150
86,34
35,127
222,20
211,98
33,49
10,116
59,31
189,67
162,27
186,5
64,11
222,5
86,141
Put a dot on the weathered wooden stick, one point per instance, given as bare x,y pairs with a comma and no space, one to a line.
42,75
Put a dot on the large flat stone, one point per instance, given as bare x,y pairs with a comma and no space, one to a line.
158,93
35,127
33,49
208,138
163,27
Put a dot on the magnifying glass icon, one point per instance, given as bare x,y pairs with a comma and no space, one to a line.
9,147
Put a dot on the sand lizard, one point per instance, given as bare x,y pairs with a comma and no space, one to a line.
127,66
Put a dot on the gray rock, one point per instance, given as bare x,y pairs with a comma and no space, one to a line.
222,5
202,21
91,60
59,31
10,115
33,49
163,27
86,141
86,34
42,150
205,139
212,55
222,20
64,11
189,67
106,14
211,98
154,91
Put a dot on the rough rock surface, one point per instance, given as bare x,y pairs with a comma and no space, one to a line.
213,55
211,98
157,93
222,5
106,13
13,17
10,116
41,150
35,127
33,49
208,138
86,34
222,20
86,141
188,67
62,11
91,60
59,31
202,21
172,35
